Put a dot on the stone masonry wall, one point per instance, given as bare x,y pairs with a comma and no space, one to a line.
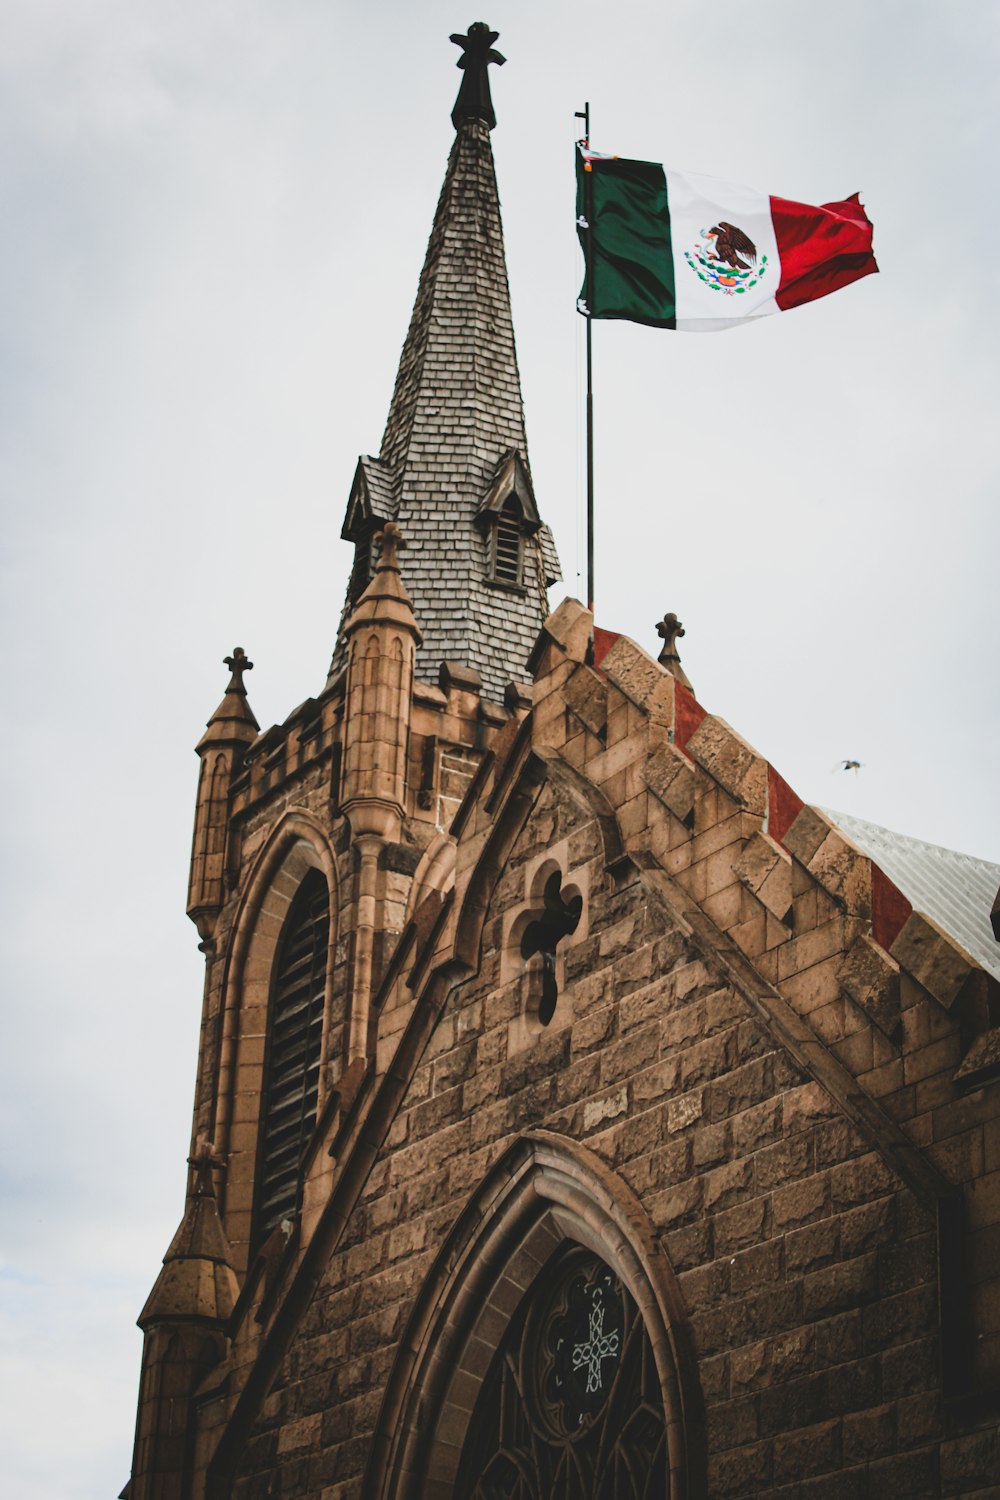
807,1268
792,1069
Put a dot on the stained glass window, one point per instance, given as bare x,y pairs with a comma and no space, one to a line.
571,1407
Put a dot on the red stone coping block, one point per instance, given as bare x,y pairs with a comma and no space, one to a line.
783,805
603,641
890,909
688,714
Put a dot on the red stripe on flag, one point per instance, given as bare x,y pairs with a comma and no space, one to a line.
821,249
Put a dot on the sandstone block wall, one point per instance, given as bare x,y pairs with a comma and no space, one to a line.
807,1266
754,1033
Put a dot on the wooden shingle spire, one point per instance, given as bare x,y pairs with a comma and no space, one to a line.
456,415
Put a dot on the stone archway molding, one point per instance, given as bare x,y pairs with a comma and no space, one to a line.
297,843
434,873
545,1190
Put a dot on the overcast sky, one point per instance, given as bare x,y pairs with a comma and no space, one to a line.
214,219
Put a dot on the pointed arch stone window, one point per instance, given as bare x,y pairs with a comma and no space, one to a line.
508,518
571,1406
548,1355
294,1046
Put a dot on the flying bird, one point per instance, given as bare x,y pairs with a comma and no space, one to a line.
847,765
730,244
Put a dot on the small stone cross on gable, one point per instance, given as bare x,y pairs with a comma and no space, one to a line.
670,630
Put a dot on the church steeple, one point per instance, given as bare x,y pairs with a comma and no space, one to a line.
453,467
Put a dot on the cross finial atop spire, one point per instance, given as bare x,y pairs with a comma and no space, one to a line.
238,663
474,101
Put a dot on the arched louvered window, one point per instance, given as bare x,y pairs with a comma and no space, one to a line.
506,544
291,1089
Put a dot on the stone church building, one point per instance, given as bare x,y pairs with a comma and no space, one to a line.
578,1114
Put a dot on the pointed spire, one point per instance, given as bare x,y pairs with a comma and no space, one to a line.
381,638
233,719
458,378
197,1282
456,412
221,750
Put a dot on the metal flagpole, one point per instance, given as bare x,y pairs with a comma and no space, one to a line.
584,115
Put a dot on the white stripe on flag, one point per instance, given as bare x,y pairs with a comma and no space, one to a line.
711,293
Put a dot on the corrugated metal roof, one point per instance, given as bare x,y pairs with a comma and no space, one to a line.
955,890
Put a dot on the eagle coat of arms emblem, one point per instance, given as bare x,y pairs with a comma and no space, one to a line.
726,260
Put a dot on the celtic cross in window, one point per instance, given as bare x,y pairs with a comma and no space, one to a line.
571,1406
598,1345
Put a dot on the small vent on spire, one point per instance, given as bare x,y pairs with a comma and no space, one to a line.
507,545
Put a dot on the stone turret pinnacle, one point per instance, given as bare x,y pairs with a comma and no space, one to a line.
453,467
197,1283
183,1324
221,750
381,637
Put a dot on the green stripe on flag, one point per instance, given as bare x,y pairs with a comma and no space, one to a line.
625,203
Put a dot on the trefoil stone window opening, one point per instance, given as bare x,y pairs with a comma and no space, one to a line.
559,917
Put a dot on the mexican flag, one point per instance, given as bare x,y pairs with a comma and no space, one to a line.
675,250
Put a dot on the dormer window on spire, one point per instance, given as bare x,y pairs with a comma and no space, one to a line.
508,517
368,509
